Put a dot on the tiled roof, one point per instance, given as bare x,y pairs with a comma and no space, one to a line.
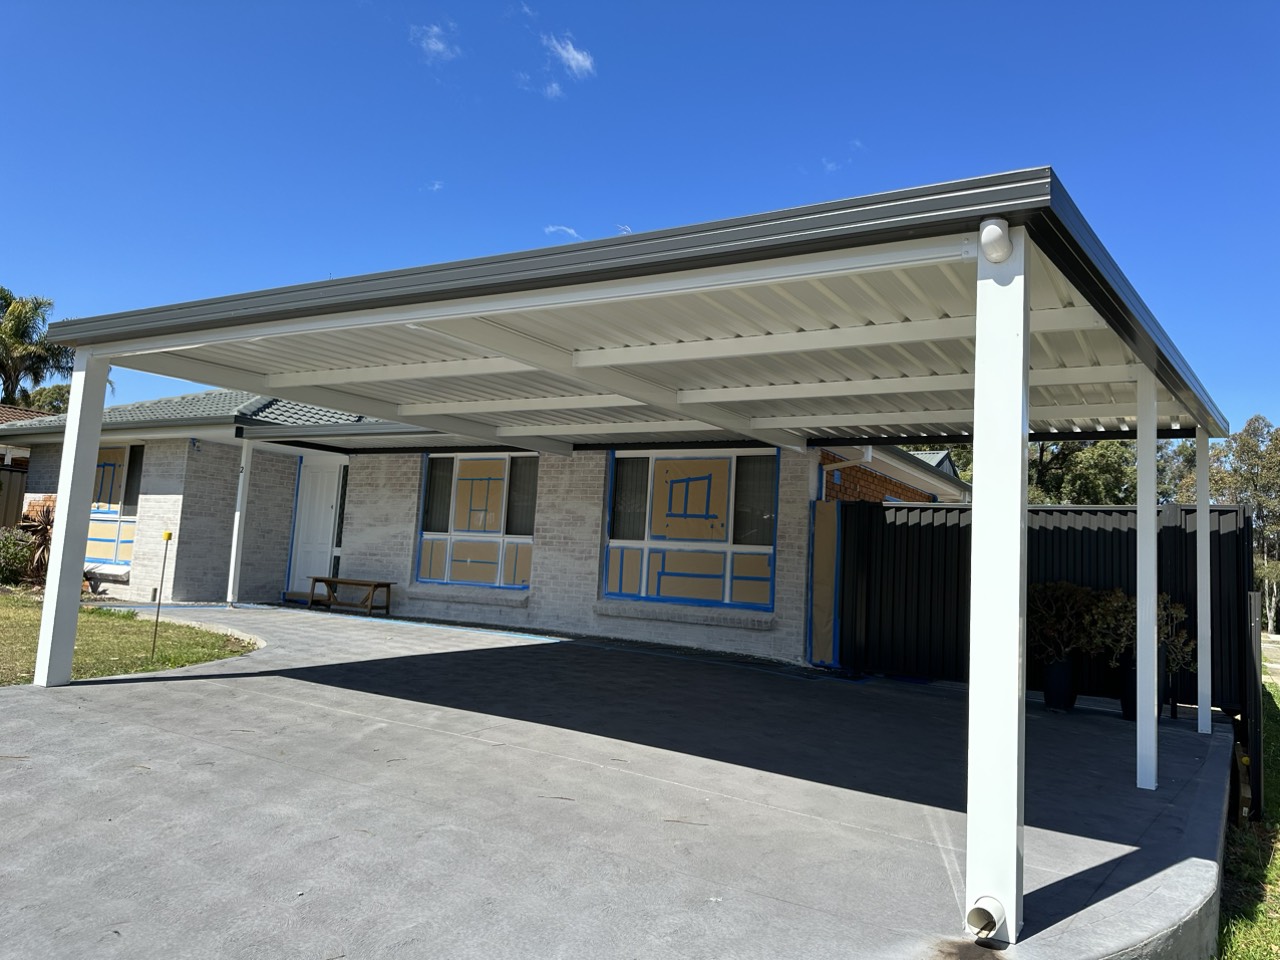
10,414
209,405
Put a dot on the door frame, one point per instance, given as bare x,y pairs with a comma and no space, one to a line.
325,460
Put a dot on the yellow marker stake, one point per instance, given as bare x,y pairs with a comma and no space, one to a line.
164,559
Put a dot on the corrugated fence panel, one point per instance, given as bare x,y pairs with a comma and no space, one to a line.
904,604
13,484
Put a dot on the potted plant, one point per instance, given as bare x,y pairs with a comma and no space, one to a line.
1058,618
1178,647
1114,628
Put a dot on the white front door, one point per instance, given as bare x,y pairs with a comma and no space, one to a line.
313,524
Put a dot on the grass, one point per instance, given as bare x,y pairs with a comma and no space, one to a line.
1250,919
108,642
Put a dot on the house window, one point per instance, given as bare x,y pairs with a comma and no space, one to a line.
113,514
477,520
693,528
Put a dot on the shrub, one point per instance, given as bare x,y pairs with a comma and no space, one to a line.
1058,619
16,550
37,523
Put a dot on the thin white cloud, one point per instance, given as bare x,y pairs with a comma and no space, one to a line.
436,186
527,10
830,166
436,41
622,228
578,62
557,228
552,91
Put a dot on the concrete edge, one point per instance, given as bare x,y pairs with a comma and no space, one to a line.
212,627
1194,936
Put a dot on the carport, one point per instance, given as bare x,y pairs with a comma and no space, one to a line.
982,309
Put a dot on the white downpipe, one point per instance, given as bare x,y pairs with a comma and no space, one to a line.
238,526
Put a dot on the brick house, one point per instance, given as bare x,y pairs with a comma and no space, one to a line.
592,543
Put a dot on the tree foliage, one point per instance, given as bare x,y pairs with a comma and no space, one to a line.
27,357
1245,469
55,398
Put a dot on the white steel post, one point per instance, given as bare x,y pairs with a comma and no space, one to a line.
237,527
71,521
1147,652
1204,589
997,653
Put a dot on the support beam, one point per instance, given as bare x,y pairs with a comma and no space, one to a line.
428,370
892,386
1204,589
1146,646
595,401
1054,320
592,429
893,418
997,654
71,521
490,336
220,375
238,522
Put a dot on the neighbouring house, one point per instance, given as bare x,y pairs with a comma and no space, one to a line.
625,437
13,466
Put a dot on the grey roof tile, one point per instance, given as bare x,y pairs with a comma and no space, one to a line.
210,405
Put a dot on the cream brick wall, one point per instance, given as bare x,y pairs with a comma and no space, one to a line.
381,535
268,526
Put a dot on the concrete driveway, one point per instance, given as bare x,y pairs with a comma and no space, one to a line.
370,789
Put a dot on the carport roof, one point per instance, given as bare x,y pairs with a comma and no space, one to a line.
849,320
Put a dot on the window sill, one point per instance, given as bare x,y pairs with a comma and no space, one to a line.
463,593
675,613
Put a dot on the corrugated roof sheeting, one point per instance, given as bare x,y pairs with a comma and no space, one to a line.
888,300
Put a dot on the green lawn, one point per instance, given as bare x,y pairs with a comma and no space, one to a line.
107,642
1250,925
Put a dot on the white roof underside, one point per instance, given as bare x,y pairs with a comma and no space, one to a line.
870,343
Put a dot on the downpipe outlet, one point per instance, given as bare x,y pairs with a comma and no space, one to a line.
985,917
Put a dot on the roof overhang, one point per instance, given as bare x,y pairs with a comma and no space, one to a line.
900,465
850,320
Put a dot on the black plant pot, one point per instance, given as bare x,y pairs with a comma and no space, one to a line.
1059,685
1129,686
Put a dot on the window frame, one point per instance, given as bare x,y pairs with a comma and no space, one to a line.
650,544
454,536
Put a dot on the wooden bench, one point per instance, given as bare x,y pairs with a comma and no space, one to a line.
367,603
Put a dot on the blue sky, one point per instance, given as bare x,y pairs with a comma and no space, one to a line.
157,152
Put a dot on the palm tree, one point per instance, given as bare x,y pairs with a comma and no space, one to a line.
26,355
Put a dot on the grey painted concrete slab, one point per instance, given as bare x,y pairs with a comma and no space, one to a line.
369,788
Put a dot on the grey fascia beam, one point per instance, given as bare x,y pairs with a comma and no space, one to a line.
935,210
1067,239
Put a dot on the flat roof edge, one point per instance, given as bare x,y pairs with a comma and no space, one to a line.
933,210
1067,238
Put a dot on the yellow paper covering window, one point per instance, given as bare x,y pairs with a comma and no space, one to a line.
108,480
517,560
480,493
690,499
433,560
475,561
676,574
